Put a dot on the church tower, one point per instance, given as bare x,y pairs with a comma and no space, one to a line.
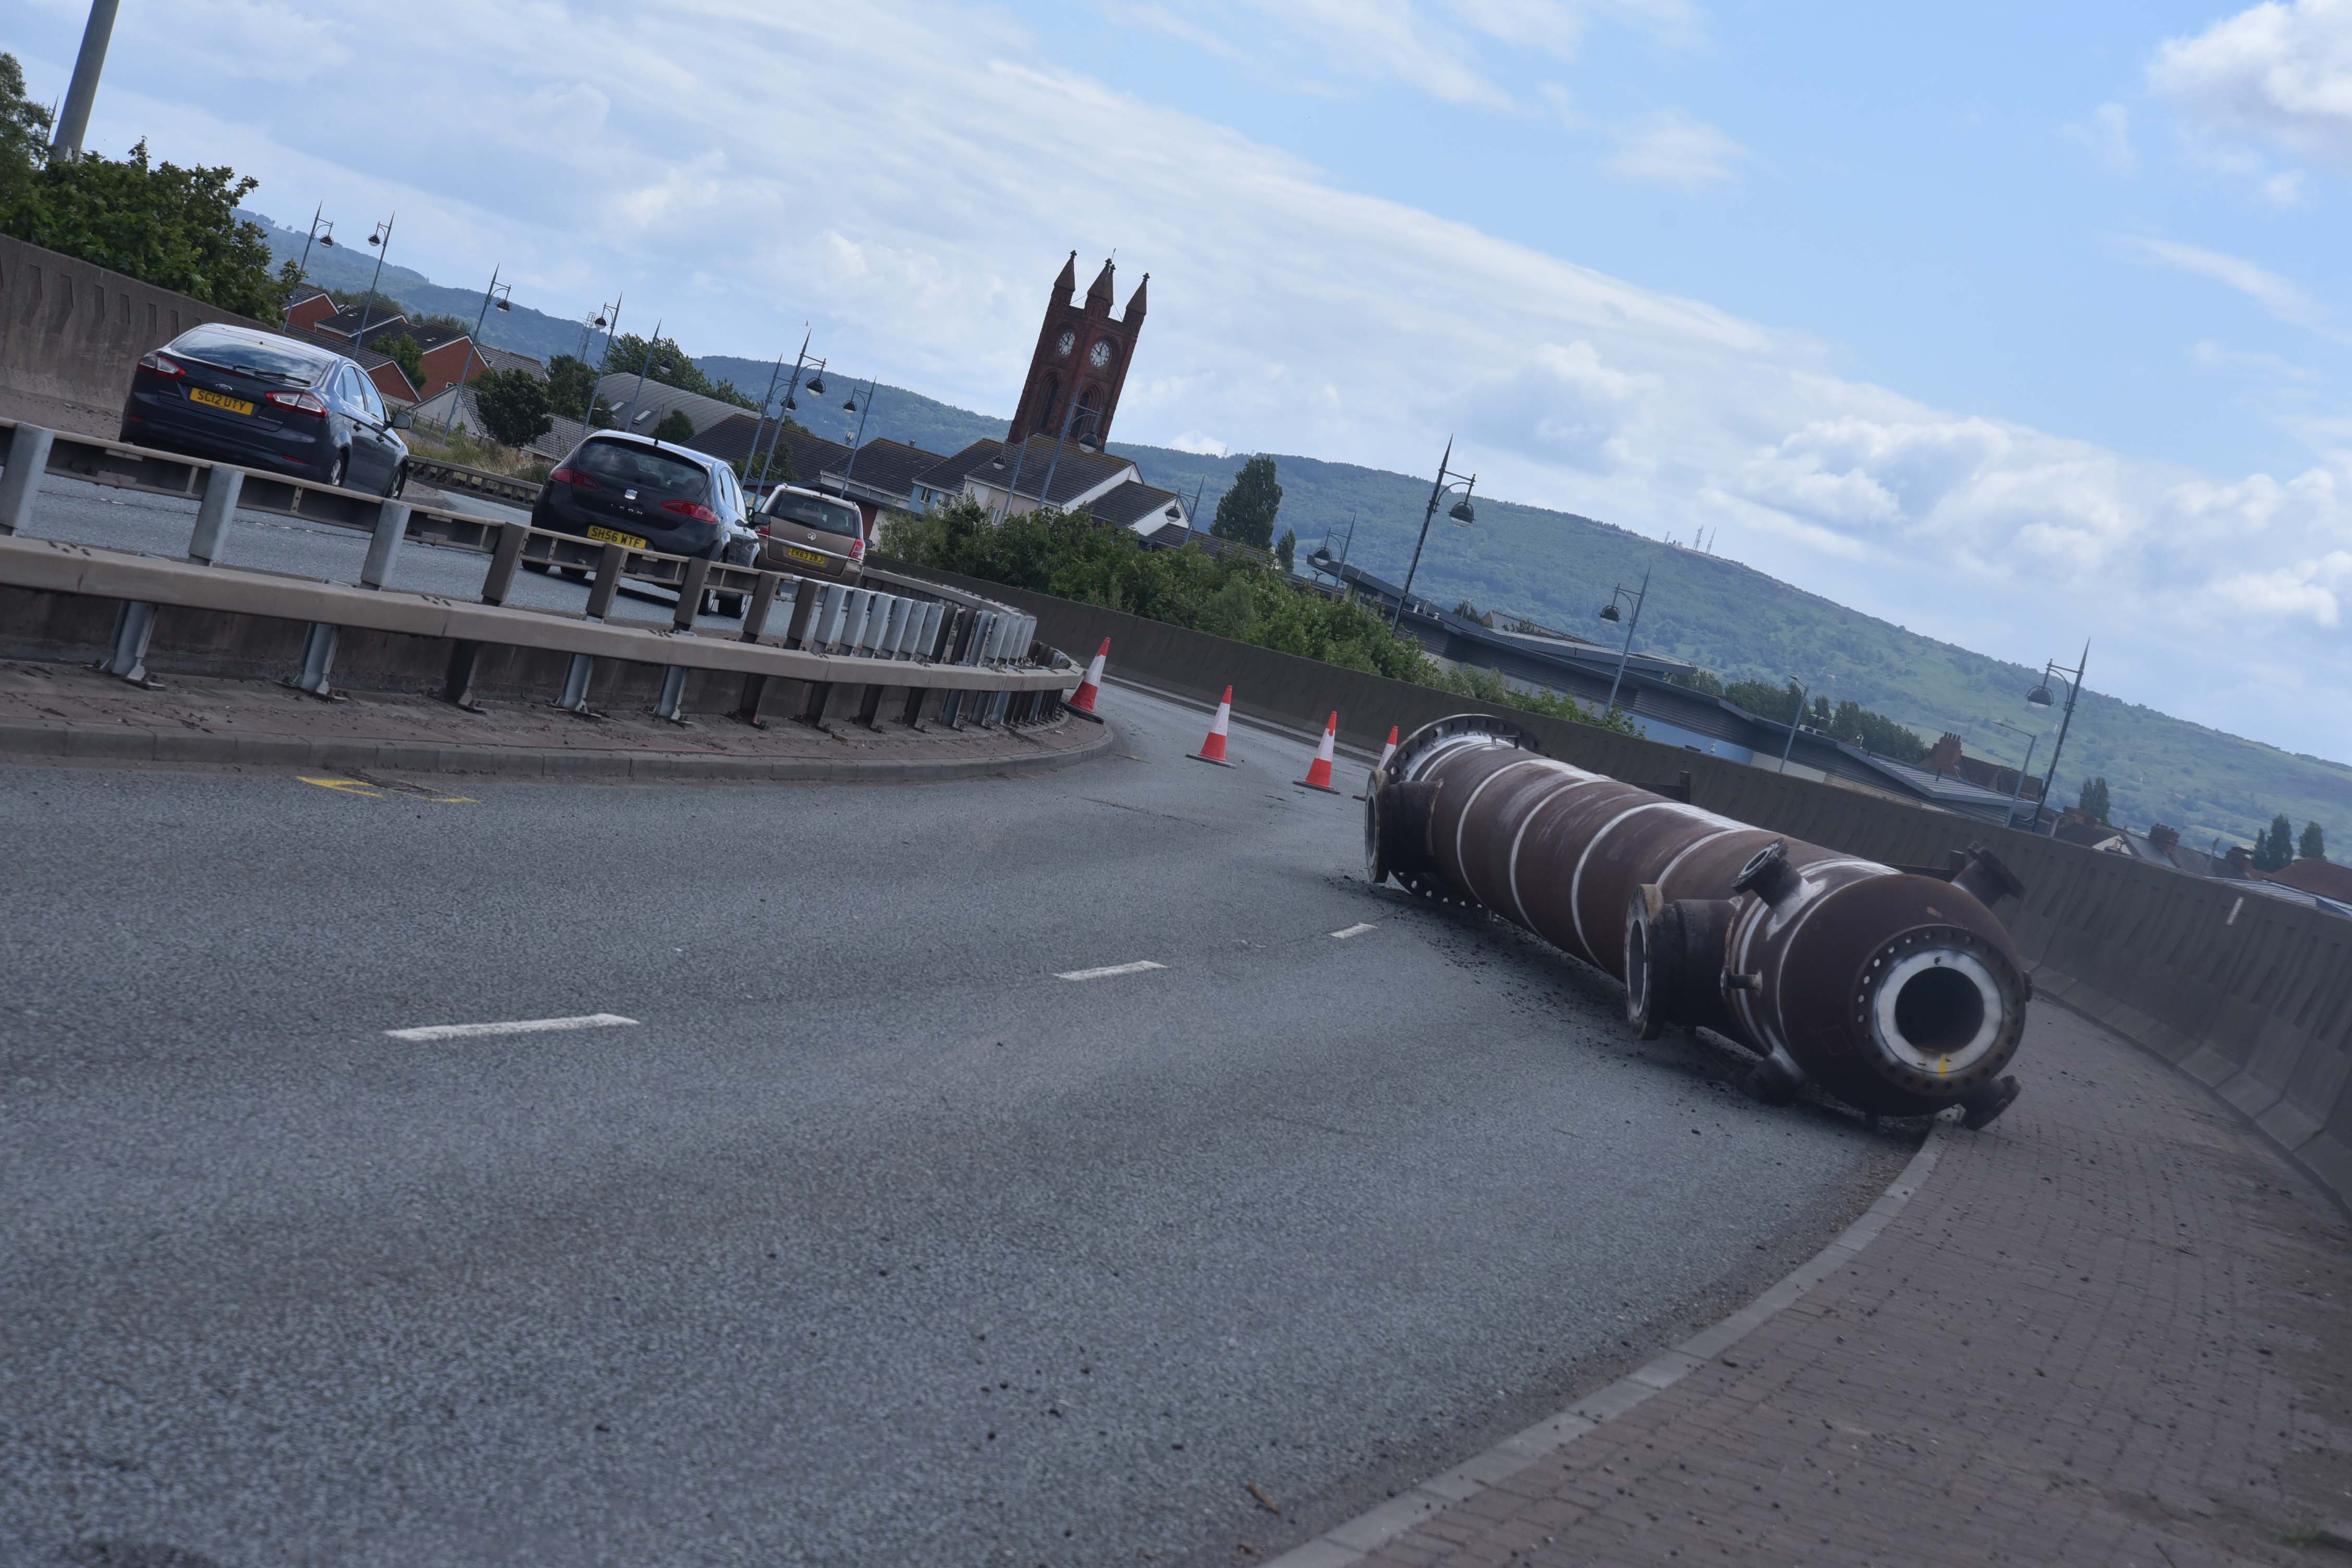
1083,352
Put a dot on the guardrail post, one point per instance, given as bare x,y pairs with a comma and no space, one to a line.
761,604
673,692
958,640
812,712
804,605
318,660
28,460
575,686
689,594
134,623
457,683
869,713
384,545
608,581
505,556
223,485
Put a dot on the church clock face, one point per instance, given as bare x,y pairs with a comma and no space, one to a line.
1098,355
1068,341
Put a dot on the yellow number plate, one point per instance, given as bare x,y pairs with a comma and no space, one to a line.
234,405
810,556
615,536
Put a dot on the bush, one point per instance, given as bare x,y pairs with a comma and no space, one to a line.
1070,556
675,428
514,406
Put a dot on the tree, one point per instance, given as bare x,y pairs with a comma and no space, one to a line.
404,352
1778,703
2095,800
380,306
2276,848
513,405
1286,549
23,134
1246,513
625,355
676,427
1705,682
2314,843
176,228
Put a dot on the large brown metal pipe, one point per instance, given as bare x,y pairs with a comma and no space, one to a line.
1898,991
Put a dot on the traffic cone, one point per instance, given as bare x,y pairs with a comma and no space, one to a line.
1318,772
1082,700
1212,749
1387,751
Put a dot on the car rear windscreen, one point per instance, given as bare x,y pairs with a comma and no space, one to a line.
810,513
251,351
642,469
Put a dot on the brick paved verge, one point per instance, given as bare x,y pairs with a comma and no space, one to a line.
2111,1329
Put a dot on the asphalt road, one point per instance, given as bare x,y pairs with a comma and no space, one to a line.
871,1240
87,513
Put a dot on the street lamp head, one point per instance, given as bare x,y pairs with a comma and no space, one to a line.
2040,697
504,306
1462,513
328,240
1608,612
816,384
850,404
789,406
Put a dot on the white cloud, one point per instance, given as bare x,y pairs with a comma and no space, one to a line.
2207,354
2107,136
1288,311
2278,74
2267,288
1190,441
1671,147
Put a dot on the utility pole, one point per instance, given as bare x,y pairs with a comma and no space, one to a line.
2074,689
1798,719
75,119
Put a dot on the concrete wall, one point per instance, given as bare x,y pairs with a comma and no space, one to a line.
2251,995
72,332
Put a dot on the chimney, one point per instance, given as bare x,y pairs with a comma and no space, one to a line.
1946,756
2163,837
2240,861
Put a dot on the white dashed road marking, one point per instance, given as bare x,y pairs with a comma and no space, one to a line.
1352,931
1104,974
518,1027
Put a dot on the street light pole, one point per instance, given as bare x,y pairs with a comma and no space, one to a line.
1794,720
609,318
382,240
1640,598
644,365
2040,697
75,119
858,440
474,348
1461,511
792,389
302,268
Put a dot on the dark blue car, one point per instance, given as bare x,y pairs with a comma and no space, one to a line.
260,400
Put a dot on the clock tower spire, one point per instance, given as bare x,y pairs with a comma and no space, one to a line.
1080,365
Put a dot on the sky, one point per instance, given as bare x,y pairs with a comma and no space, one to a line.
2010,323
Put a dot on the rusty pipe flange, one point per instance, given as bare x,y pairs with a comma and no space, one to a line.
1940,1011
1459,728
1650,958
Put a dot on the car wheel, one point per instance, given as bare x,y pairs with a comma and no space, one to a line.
398,483
343,467
730,606
539,566
577,573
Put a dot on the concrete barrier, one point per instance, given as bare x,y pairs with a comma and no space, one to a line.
2248,994
73,332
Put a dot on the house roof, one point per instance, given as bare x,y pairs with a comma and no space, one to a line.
345,323
1135,501
1073,470
887,470
367,358
2323,878
506,359
559,438
656,402
948,473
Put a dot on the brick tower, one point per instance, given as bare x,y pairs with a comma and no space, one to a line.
1083,352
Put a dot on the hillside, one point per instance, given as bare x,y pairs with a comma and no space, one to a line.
1557,567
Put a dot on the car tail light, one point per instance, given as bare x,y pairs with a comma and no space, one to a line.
162,364
693,509
299,402
760,529
577,478
857,549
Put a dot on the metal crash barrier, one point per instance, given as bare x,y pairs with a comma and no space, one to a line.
953,642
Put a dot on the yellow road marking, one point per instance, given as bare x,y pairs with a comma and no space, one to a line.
374,792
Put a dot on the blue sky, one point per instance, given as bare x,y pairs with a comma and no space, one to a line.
2010,323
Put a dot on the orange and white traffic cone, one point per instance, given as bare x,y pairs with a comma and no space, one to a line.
1387,751
1082,700
1318,772
1212,749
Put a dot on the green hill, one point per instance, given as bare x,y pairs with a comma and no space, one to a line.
1557,567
